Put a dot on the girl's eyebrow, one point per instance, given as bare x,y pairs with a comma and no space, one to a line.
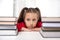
27,18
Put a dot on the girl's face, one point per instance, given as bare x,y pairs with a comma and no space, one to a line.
31,20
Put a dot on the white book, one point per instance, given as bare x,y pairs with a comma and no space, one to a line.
8,30
46,34
7,23
8,18
51,24
50,19
51,28
7,27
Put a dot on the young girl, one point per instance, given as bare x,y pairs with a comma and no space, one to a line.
29,20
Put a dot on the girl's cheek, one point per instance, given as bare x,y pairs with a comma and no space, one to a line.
35,23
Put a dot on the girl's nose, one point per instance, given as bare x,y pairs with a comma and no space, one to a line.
31,22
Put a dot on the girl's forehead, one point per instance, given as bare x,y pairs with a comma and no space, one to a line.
32,15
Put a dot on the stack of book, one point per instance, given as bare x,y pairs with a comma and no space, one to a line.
50,27
8,26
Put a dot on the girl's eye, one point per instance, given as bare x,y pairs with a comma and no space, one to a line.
34,19
28,19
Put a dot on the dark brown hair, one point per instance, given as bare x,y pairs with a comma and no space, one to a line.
28,10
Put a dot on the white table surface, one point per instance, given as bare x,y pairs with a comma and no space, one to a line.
27,36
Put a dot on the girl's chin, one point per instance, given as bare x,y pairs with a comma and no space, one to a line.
30,27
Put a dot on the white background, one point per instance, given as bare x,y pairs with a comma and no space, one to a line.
6,8
48,8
